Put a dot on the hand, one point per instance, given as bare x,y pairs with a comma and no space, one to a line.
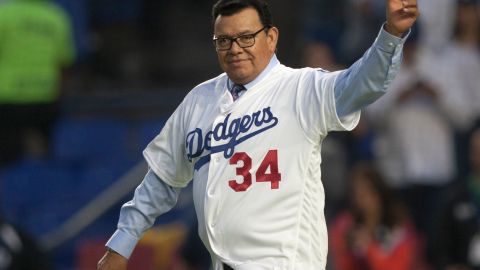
401,15
112,261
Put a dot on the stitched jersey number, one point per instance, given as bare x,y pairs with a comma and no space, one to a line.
270,161
242,171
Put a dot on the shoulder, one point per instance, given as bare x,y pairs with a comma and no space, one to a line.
299,75
58,13
303,70
307,72
207,89
310,78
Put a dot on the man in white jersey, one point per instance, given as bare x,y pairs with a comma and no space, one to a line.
250,141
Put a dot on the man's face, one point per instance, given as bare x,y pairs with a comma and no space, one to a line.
243,65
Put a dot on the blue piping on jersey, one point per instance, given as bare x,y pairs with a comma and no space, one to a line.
201,161
229,147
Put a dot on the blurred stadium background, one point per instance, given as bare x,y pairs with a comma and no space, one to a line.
134,62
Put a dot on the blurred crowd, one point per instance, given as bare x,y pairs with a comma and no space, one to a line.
415,204
402,189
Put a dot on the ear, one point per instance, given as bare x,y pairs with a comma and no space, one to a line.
272,38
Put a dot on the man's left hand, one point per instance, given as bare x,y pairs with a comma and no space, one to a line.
401,15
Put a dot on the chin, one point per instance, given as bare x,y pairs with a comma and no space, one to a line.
238,77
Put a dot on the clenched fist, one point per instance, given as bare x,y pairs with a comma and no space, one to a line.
401,15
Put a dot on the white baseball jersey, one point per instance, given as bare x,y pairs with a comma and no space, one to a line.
255,162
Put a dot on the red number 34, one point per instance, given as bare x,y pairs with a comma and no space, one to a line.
269,161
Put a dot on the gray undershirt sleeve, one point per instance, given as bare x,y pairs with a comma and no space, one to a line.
369,77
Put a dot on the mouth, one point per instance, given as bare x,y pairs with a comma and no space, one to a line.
236,61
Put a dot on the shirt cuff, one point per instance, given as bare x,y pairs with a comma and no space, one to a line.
122,243
388,42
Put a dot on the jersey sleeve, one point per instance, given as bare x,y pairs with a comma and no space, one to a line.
351,89
315,105
166,154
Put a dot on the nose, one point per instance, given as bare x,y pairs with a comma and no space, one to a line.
235,48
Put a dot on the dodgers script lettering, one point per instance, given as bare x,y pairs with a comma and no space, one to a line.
230,132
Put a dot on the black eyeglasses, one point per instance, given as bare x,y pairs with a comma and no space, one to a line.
244,41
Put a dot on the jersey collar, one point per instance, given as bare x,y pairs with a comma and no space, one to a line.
273,63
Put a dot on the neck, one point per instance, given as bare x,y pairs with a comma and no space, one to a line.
272,63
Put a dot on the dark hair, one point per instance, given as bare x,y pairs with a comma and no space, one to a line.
230,7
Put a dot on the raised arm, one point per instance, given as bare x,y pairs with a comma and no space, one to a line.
368,78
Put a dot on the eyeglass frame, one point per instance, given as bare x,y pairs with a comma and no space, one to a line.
234,39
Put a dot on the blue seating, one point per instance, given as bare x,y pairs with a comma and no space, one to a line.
88,155
77,140
38,195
